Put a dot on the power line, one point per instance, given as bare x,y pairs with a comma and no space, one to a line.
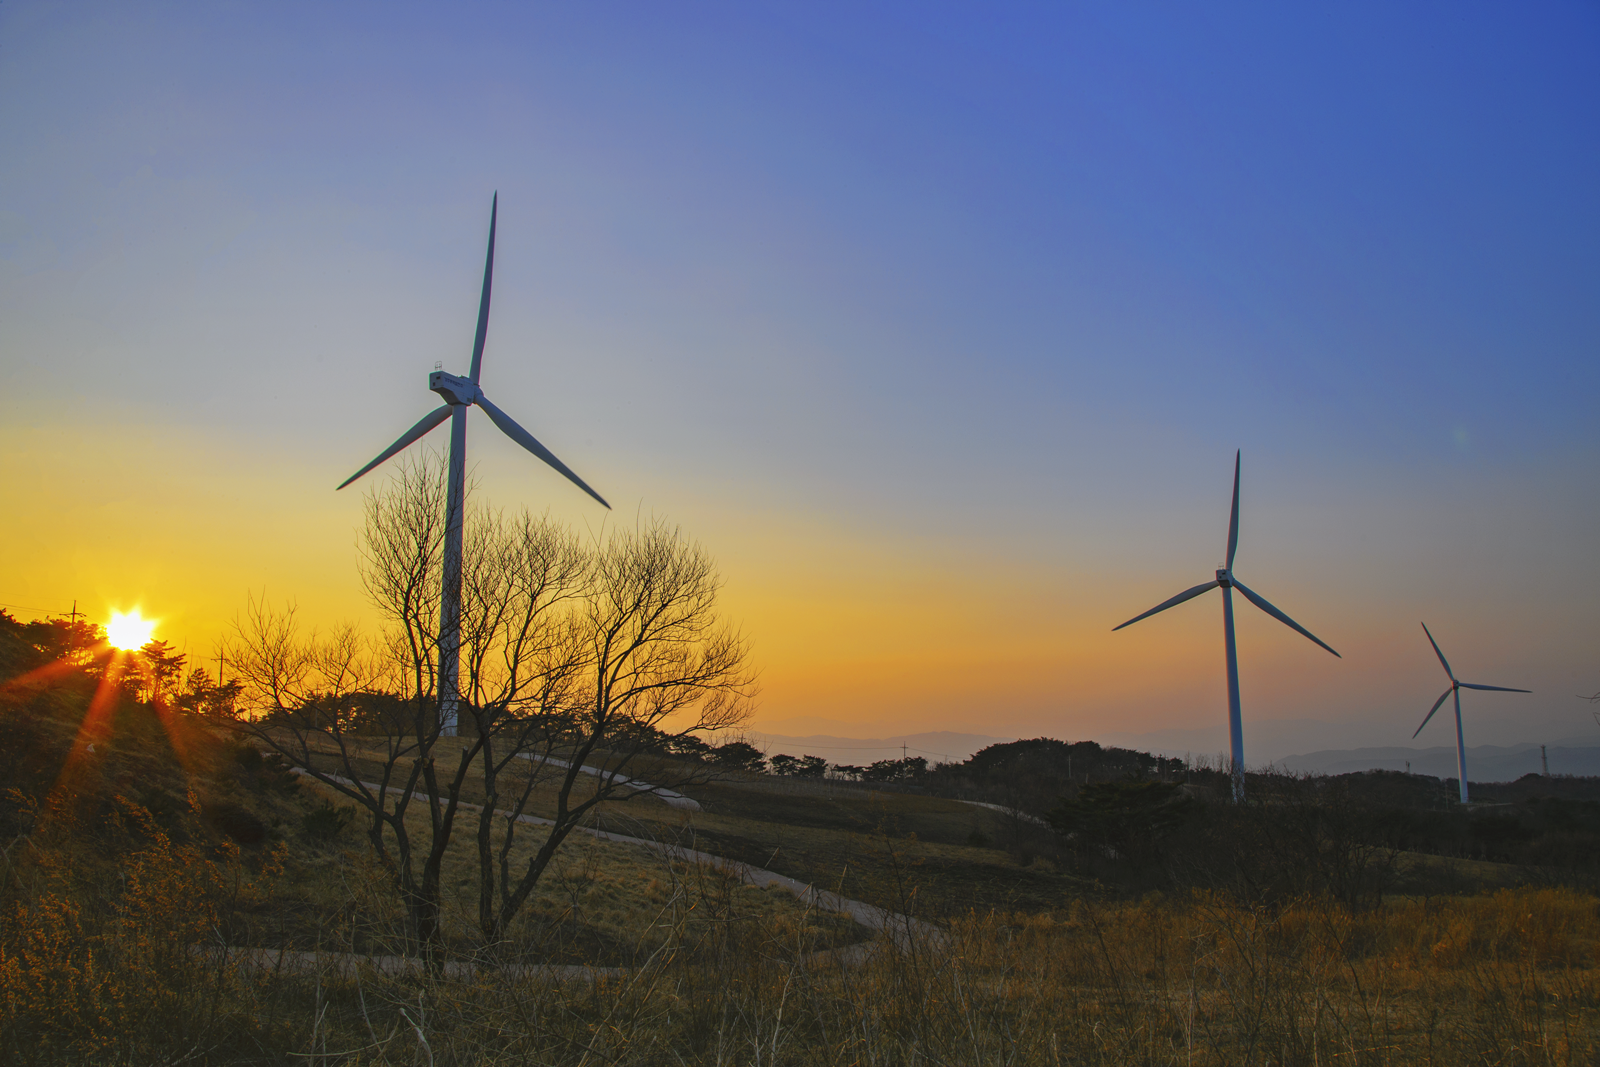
35,607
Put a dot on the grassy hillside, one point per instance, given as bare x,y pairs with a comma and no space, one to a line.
1352,921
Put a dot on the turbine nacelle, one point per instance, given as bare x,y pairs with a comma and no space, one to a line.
460,393
454,389
1224,579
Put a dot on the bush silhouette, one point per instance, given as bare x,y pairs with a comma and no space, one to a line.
326,821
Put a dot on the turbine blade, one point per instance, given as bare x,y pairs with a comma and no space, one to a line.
1233,520
1187,594
1442,697
509,427
1260,602
1492,688
424,424
1436,652
483,302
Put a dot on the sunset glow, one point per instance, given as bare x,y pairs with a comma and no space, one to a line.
942,329
130,630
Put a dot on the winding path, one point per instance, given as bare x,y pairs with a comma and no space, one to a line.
902,931
670,797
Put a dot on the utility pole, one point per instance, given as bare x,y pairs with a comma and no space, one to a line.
72,626
1544,761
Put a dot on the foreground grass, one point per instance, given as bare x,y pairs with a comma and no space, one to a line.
1508,977
99,919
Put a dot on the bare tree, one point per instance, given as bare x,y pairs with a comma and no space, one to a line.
575,658
524,583
658,664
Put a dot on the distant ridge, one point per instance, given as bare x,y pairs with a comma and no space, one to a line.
940,746
1485,763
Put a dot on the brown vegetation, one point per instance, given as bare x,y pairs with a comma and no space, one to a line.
168,896
1509,977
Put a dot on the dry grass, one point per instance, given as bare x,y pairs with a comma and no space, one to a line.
96,965
601,902
898,851
1508,977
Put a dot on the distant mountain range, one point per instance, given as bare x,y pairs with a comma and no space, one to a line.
1485,763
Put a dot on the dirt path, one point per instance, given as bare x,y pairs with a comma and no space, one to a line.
902,931
670,797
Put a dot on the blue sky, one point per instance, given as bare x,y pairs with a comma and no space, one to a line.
939,324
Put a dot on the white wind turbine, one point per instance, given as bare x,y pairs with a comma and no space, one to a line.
1455,688
460,394
1228,582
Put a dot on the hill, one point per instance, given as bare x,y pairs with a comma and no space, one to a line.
172,895
937,746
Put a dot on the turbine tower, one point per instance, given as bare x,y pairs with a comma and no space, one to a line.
1455,689
1228,582
459,394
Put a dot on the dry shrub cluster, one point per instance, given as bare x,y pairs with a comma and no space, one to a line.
110,976
97,952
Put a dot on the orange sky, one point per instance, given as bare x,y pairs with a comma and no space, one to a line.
940,334
890,634
880,632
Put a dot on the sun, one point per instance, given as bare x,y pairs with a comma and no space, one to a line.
129,631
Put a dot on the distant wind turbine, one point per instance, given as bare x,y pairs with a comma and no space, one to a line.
460,394
1228,583
1455,688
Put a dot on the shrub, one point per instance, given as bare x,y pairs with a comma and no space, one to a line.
326,821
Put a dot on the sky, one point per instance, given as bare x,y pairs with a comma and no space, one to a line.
938,325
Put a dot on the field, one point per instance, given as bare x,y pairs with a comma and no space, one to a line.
868,844
603,903
128,871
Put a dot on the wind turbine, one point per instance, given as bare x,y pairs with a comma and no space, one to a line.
1455,688
459,394
1228,582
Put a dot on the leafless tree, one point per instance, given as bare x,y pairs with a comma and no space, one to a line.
524,582
576,658
656,660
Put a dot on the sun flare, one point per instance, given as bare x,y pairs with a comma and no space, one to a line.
129,631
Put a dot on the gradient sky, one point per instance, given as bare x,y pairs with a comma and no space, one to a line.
938,324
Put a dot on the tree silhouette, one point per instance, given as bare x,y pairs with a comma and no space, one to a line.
573,655
163,666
